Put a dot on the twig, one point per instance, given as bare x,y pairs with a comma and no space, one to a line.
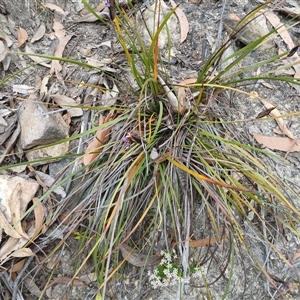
218,42
15,293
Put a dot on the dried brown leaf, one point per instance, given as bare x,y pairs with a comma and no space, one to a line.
56,8
39,33
69,103
278,143
23,252
204,242
9,230
23,89
15,204
39,60
296,254
183,21
173,100
22,36
265,112
275,113
18,266
39,215
138,259
63,40
102,136
3,48
11,245
281,29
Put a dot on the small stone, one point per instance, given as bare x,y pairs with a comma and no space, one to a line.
39,128
53,151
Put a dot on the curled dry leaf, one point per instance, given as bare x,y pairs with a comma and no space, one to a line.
22,36
102,136
183,21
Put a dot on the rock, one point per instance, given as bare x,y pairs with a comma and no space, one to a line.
151,16
250,31
53,151
39,128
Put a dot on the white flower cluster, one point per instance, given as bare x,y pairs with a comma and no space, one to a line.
167,273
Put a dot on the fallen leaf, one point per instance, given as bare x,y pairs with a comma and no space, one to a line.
183,21
23,252
11,192
18,266
48,181
11,245
15,203
39,33
88,278
281,29
102,135
275,113
39,214
90,18
44,88
69,103
56,8
22,36
99,63
138,259
181,90
23,89
66,281
63,40
204,242
39,60
277,143
3,48
296,254
110,96
265,112
9,230
173,100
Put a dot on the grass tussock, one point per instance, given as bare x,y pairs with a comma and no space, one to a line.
165,170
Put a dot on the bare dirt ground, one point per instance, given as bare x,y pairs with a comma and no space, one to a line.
89,40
